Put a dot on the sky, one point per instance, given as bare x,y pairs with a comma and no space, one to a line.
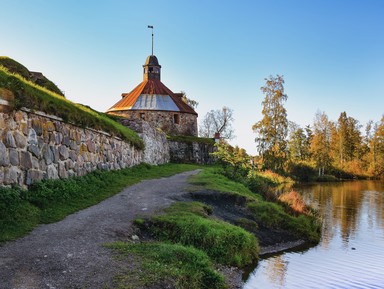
330,52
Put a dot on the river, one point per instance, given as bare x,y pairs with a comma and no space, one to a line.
351,251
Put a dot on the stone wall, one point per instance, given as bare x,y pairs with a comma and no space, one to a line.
156,145
35,146
173,123
191,152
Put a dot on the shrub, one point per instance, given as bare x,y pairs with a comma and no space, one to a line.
294,201
302,171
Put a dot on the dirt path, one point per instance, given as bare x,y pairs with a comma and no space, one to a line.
70,253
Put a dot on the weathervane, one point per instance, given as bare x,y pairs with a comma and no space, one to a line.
150,26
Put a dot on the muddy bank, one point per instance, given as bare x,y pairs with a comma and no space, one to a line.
232,209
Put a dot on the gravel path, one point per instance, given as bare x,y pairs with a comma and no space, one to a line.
70,253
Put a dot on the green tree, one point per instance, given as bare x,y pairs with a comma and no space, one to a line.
272,130
376,148
234,160
321,142
299,142
348,138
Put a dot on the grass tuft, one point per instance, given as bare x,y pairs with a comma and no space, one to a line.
171,264
188,223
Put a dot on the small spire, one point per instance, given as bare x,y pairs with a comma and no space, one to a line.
151,27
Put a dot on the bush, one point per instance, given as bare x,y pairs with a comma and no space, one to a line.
294,201
302,171
17,216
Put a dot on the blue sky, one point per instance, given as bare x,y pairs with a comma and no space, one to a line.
330,52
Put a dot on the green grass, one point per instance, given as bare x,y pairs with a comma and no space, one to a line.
211,178
51,200
189,223
171,264
272,215
28,94
266,213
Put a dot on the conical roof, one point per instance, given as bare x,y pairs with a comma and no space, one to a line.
152,95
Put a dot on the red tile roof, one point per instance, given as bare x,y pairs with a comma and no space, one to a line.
150,86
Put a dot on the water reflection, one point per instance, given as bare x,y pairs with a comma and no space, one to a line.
351,252
342,205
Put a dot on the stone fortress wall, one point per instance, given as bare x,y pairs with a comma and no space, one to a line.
36,146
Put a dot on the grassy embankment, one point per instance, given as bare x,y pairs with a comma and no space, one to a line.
51,200
192,226
32,96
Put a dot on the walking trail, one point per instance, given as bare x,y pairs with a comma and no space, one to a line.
70,253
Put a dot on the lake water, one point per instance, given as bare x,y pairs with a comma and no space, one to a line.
351,251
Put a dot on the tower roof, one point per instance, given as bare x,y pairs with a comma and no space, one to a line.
153,95
152,61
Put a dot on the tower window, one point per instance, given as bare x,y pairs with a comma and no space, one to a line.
142,115
176,118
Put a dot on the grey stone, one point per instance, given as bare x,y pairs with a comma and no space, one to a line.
14,157
64,152
32,136
73,145
34,149
1,175
69,164
25,160
48,154
4,157
11,175
58,138
33,176
52,138
56,154
71,173
91,146
9,140
35,163
73,155
66,140
41,141
62,171
21,140
42,165
52,172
